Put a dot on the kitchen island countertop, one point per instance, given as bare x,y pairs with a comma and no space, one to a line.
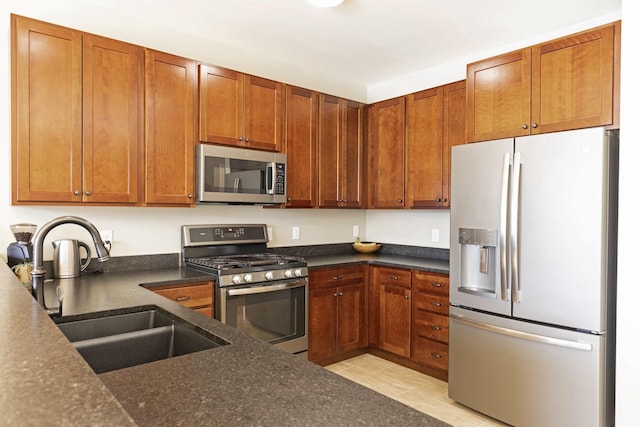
45,381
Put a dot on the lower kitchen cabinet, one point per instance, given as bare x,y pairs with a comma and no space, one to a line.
337,325
197,296
430,310
390,314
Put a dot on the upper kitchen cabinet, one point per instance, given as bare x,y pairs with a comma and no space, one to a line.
171,105
301,145
563,84
340,153
240,109
386,154
77,123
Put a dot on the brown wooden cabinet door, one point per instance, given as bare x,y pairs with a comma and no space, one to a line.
301,144
353,154
499,96
113,96
572,81
171,94
454,131
47,112
424,148
323,320
351,332
386,154
221,105
263,113
329,139
395,320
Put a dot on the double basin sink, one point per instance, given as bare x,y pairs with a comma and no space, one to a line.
124,340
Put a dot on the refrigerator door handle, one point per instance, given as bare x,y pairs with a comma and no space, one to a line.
514,227
576,345
504,208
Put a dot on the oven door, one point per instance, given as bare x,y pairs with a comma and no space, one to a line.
274,312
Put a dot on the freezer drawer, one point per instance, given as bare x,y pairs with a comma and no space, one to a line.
526,374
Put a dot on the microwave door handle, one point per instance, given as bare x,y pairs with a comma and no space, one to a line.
270,178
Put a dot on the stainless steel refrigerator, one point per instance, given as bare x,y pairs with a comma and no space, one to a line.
532,278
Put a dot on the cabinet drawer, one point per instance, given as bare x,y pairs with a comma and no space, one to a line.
335,276
432,326
431,302
431,282
431,353
392,276
194,295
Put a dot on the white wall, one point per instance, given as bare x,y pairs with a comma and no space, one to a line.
628,337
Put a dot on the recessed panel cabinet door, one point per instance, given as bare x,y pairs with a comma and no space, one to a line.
171,94
301,144
330,129
46,112
386,154
572,81
112,112
263,113
424,148
221,105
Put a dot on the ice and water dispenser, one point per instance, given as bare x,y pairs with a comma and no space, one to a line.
478,251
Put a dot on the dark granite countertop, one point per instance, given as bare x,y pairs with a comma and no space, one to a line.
45,381
401,261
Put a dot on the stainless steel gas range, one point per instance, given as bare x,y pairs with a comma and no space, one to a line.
262,293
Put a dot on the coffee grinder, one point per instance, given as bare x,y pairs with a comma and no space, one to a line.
21,251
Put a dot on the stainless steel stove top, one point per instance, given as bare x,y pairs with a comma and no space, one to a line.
237,254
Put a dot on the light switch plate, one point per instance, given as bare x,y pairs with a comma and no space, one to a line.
435,234
296,233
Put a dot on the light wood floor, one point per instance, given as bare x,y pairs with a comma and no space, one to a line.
422,392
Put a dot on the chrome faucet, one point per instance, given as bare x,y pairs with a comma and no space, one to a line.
37,274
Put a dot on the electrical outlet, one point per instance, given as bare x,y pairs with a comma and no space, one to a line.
106,235
270,233
435,234
356,231
296,233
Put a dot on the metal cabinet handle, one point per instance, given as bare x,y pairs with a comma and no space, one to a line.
534,125
337,277
406,297
190,196
335,294
77,193
437,304
240,138
88,193
436,355
444,199
524,126
183,298
437,285
436,328
246,140
399,200
392,277
340,294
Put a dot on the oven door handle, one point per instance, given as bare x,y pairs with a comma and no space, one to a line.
263,289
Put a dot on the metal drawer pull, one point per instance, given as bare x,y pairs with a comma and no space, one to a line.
406,297
436,355
437,304
437,285
392,277
183,298
436,328
337,277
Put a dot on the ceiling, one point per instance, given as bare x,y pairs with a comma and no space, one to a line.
365,42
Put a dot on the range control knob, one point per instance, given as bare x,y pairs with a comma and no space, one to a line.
268,275
288,273
236,280
248,278
298,272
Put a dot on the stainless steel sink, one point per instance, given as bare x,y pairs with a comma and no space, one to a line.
124,340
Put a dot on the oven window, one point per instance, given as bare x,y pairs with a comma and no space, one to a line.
275,316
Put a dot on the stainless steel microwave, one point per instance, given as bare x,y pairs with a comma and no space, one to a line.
240,176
